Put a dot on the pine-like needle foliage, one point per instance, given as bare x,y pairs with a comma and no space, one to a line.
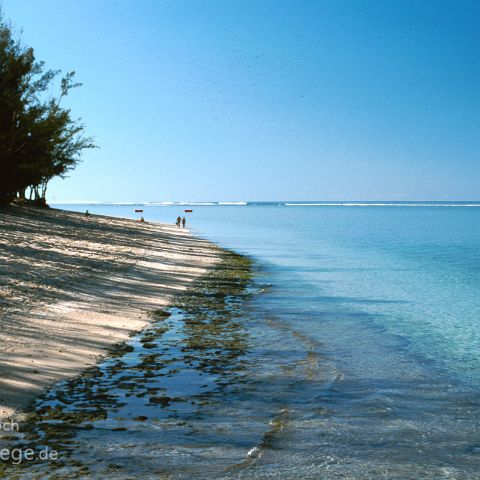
38,138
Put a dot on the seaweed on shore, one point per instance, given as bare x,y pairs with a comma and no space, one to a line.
210,339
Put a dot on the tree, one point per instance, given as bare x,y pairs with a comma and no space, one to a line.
38,138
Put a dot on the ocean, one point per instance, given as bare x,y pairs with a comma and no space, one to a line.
362,346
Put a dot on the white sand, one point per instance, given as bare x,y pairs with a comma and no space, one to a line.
71,286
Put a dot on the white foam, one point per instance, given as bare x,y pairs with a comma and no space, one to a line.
382,204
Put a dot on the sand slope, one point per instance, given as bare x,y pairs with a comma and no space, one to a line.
70,286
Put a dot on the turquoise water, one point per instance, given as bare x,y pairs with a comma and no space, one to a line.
383,301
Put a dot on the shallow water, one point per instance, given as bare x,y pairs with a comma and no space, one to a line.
360,353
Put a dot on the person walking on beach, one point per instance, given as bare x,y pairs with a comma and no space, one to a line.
184,222
178,221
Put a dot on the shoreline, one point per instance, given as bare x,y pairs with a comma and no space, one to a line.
73,286
172,372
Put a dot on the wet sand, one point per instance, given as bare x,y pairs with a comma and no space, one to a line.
71,286
174,387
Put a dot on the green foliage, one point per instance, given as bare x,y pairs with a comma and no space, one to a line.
38,138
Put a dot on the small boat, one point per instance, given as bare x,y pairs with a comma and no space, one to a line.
138,211
188,211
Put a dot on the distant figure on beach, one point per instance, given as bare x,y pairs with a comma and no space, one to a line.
184,222
178,221
142,219
87,213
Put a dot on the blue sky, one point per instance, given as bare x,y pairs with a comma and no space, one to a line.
267,99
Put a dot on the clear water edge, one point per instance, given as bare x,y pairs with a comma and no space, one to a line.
372,321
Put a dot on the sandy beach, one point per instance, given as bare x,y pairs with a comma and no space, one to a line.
71,286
